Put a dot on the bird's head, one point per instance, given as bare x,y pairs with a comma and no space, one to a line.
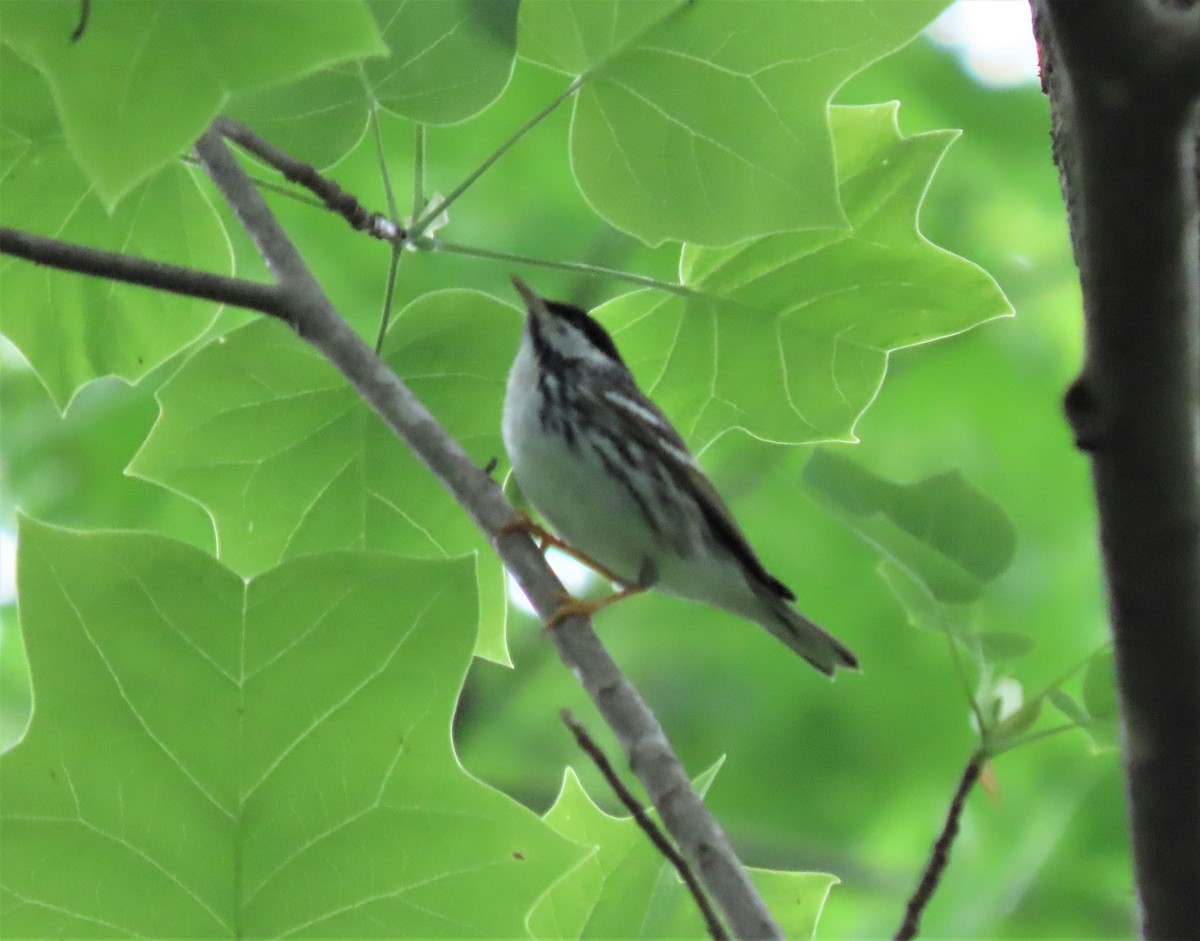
564,333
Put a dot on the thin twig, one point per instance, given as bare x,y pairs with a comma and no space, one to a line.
85,12
333,196
649,827
940,855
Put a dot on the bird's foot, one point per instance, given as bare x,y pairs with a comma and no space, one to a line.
586,608
546,540
521,523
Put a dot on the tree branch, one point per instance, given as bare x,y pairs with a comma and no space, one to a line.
699,837
1124,81
939,856
333,196
130,269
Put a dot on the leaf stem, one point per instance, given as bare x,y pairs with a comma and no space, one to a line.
454,248
394,264
418,193
1035,737
419,225
388,292
962,678
383,170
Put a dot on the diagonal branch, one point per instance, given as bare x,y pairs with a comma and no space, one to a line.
698,835
939,856
298,300
333,196
1123,78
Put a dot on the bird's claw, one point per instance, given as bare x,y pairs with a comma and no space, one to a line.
521,523
570,605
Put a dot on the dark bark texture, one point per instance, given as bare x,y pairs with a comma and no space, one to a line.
1123,78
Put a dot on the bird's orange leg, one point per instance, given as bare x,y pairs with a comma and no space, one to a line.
569,603
546,539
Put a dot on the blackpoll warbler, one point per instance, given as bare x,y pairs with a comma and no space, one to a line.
615,480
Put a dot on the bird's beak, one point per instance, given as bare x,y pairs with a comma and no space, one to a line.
528,295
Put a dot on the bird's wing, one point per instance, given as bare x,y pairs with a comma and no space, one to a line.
722,521
645,423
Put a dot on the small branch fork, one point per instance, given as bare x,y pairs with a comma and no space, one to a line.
715,929
297,299
334,198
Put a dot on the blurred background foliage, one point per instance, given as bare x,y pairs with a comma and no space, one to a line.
853,778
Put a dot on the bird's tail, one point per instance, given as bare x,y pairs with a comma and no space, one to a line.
813,643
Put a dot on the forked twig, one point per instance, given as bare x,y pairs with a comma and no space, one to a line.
333,196
715,929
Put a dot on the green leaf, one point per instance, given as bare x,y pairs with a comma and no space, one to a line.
1068,706
951,536
16,701
73,328
707,122
147,76
788,336
449,58
320,117
996,646
288,460
212,757
1005,733
67,468
627,889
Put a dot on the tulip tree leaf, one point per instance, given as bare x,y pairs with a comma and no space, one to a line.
951,536
276,752
788,336
151,74
707,122
446,61
73,328
627,889
995,646
288,459
449,59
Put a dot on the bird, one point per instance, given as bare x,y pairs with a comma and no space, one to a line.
617,484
